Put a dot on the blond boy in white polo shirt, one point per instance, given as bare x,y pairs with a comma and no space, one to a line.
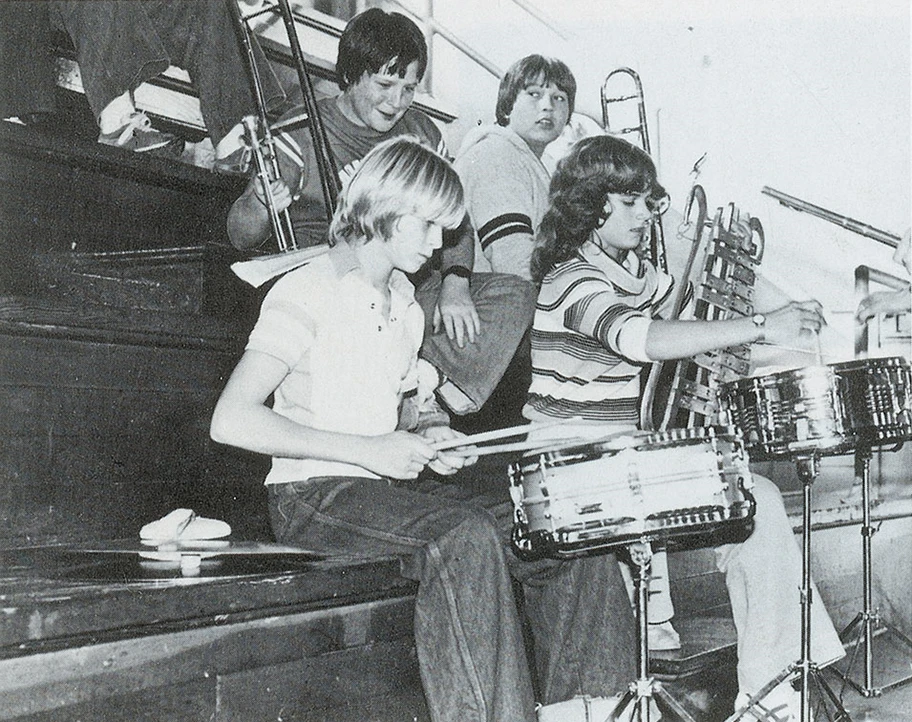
320,388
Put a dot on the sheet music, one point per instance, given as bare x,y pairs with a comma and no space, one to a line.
258,271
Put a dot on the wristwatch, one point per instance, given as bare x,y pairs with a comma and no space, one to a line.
460,271
759,320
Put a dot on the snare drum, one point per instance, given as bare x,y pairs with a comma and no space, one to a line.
642,486
789,413
877,399
825,410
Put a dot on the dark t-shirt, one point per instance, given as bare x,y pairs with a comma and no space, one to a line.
349,144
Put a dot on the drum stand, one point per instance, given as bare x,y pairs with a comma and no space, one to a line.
804,669
644,688
868,622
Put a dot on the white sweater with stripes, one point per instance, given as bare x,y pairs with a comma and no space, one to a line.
589,337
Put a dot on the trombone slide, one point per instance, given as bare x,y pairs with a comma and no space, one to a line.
850,224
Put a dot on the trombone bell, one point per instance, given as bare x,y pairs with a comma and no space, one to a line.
614,92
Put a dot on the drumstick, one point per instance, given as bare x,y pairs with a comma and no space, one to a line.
543,445
538,445
798,350
499,434
779,283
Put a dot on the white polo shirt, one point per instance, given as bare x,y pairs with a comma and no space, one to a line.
348,366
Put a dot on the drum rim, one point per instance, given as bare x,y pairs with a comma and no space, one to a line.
880,361
751,382
532,461
803,371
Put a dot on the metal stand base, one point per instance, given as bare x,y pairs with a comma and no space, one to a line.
804,670
812,681
869,627
645,689
867,623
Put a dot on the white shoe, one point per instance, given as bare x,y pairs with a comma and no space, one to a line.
454,398
662,637
584,708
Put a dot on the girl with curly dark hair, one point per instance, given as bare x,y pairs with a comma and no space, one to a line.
594,168
600,318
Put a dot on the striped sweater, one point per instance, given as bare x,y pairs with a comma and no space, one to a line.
589,336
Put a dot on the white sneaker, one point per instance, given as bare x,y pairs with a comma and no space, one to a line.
584,708
454,399
662,637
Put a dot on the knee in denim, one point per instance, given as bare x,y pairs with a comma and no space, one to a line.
479,529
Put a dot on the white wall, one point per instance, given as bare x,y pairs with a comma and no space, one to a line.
811,98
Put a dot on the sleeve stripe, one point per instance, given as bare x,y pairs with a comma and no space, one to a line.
289,147
504,225
605,329
504,219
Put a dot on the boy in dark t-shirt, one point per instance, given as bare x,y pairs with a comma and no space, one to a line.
474,322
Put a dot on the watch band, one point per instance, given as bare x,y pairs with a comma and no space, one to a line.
460,271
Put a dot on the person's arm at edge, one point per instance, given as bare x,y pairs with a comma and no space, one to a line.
455,311
683,339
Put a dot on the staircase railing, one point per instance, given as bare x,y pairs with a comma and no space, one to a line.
425,18
432,27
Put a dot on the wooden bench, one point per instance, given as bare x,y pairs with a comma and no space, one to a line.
272,637
119,322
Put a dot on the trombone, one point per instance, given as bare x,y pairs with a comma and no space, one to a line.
641,130
609,97
267,170
850,224
259,134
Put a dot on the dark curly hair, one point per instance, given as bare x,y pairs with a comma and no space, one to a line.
592,169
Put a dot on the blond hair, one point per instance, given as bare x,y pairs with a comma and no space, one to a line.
398,177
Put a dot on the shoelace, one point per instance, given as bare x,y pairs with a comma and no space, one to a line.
138,121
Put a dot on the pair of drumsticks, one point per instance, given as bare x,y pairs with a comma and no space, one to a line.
468,445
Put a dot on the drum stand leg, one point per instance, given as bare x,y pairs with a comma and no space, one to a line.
804,669
868,623
645,688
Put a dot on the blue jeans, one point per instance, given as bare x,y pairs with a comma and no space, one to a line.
121,44
471,654
26,62
505,305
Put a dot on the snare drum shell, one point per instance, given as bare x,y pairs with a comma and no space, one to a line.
660,485
877,399
789,413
